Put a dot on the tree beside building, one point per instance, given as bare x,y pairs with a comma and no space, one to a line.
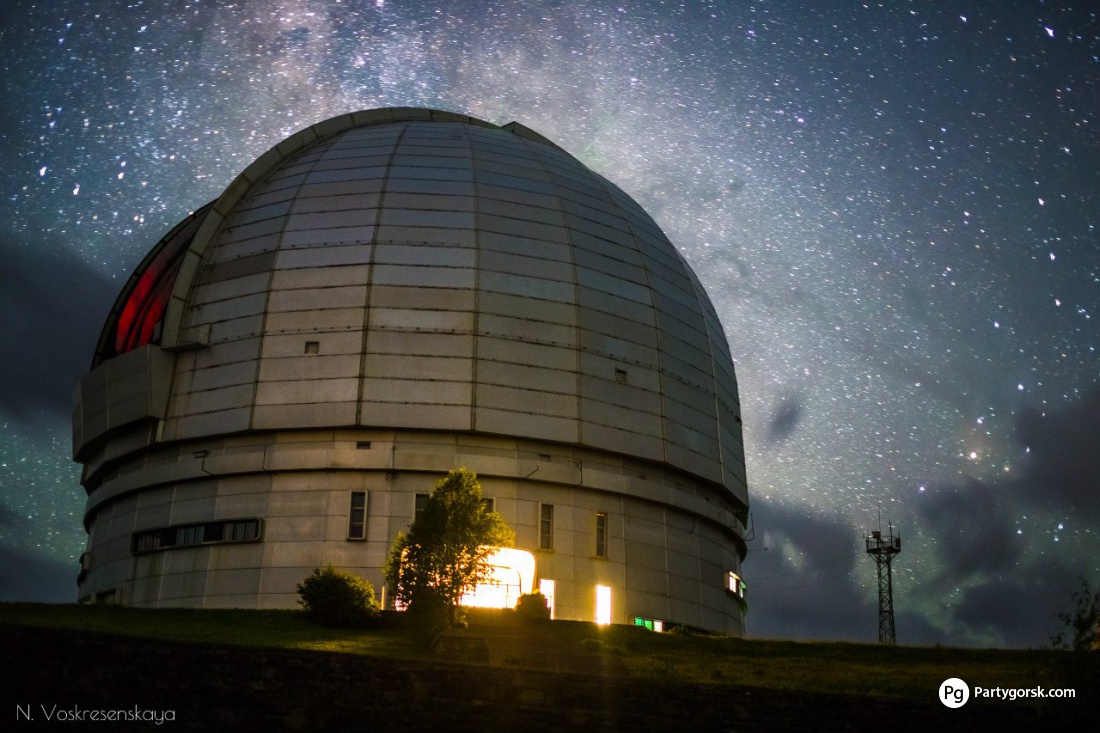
444,553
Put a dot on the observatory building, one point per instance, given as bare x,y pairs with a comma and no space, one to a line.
379,299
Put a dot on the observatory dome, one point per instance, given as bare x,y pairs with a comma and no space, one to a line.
436,285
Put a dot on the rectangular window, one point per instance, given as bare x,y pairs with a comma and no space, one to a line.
649,623
546,587
418,509
546,526
357,516
243,530
601,534
603,604
735,585
489,504
190,535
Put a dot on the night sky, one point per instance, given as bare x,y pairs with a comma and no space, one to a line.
894,207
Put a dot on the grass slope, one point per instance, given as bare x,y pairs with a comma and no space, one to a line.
912,673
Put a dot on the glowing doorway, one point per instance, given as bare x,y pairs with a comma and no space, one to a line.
513,574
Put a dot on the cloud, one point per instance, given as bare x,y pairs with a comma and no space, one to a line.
975,527
32,577
803,578
995,551
1064,456
784,419
1020,608
53,307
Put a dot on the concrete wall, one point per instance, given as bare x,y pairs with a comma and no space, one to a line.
668,543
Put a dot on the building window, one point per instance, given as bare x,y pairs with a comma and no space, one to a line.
357,516
191,535
489,503
601,534
546,587
546,526
652,624
240,531
418,508
735,585
603,604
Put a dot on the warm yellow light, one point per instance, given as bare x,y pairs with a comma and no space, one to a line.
512,575
546,587
603,605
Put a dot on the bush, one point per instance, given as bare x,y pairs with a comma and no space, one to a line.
333,597
533,607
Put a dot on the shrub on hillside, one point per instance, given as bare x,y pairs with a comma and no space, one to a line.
334,597
533,607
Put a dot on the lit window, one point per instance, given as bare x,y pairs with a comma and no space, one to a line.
735,585
357,517
546,587
601,534
603,604
649,623
546,526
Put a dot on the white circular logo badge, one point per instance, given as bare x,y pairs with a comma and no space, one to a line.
954,692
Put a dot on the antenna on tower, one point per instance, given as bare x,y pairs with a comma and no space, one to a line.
883,549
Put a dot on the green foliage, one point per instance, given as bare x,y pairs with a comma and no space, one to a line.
333,597
1081,624
444,552
533,607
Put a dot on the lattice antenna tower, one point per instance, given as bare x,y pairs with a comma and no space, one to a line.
883,550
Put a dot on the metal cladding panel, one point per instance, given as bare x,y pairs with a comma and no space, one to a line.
517,306
526,377
617,348
413,391
223,375
316,415
528,265
416,344
504,350
426,417
419,367
614,393
530,401
318,298
507,422
307,391
530,328
223,289
328,343
452,275
421,320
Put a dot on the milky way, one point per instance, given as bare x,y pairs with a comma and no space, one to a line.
893,206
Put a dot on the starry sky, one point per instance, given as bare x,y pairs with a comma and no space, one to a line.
893,205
